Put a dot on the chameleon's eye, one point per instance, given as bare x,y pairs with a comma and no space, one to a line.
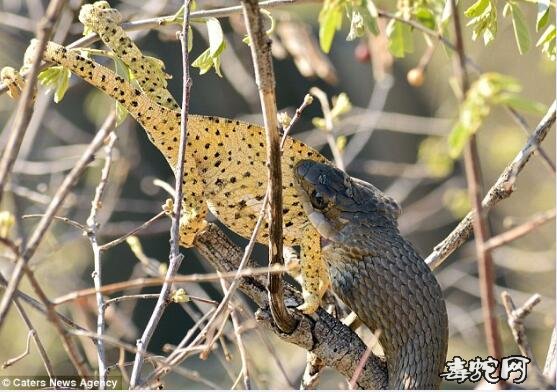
317,200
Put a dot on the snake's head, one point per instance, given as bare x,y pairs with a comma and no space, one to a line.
332,199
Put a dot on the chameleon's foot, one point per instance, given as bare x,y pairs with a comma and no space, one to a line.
189,225
13,80
311,303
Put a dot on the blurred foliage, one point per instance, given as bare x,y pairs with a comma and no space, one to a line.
7,221
456,200
490,89
341,105
434,153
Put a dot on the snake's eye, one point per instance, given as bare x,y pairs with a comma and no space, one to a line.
317,200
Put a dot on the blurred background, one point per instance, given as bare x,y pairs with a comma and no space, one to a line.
391,135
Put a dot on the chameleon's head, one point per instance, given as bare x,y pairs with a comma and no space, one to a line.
332,199
89,13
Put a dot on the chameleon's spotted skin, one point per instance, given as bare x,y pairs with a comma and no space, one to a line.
225,171
148,71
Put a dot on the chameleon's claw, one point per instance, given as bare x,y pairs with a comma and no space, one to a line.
168,206
13,80
311,303
188,227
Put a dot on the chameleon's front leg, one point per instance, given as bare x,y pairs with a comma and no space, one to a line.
194,208
315,279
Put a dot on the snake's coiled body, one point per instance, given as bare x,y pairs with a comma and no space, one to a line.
378,274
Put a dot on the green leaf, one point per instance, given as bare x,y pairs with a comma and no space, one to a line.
372,9
521,33
520,103
489,90
425,16
56,78
62,85
457,139
206,61
447,13
341,105
211,56
484,20
400,38
319,122
216,36
547,42
330,20
476,9
370,17
543,14
357,27
190,38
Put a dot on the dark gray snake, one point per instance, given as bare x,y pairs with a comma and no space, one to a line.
377,273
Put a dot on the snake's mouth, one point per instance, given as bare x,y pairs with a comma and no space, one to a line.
325,242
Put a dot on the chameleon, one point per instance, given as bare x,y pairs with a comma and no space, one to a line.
225,167
377,273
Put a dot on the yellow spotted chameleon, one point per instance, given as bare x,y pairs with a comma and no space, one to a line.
225,168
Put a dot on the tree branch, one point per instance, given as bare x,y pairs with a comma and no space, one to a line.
501,190
260,46
479,218
320,333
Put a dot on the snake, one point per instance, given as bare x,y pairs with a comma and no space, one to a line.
377,273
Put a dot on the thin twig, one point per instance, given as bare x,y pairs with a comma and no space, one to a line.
64,219
244,372
550,359
260,46
499,191
363,360
147,282
189,374
69,181
39,306
330,134
314,365
515,319
24,109
92,227
175,258
481,230
119,240
9,362
31,246
520,231
40,347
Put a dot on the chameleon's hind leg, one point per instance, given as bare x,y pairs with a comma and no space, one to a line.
194,208
311,265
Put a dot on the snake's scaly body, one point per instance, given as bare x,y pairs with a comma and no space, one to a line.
377,273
